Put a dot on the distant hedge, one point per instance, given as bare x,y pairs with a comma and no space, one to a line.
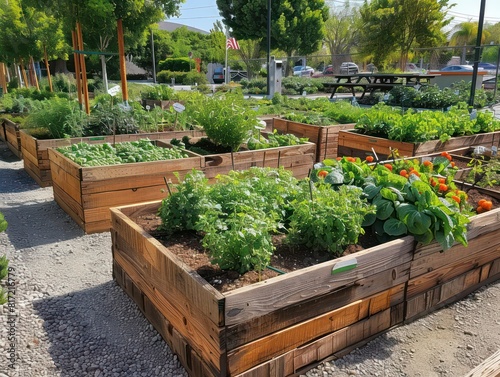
182,78
175,64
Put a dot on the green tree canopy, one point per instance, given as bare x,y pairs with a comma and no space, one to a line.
400,25
297,26
342,31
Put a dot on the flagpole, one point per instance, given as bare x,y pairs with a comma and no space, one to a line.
226,75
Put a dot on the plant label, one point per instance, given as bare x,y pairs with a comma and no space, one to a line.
344,265
114,90
178,107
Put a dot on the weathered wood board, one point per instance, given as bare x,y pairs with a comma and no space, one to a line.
437,276
36,157
352,143
301,315
325,137
287,324
12,137
87,193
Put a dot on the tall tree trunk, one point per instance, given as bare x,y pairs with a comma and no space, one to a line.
35,77
23,73
104,72
3,81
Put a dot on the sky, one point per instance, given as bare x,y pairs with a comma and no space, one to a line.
203,13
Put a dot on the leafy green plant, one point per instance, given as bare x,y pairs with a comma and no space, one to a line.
59,117
330,220
237,215
484,172
407,202
142,150
158,93
225,120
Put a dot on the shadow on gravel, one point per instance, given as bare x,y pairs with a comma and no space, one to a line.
16,180
6,155
102,329
30,220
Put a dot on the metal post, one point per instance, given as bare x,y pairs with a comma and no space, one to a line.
496,74
153,56
477,53
268,46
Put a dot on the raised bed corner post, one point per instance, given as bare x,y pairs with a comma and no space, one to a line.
121,51
83,68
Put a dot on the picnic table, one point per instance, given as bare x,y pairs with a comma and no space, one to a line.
371,82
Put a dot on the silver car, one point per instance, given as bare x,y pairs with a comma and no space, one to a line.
349,68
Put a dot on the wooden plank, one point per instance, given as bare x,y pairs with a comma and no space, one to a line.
290,315
354,141
207,342
177,275
67,183
28,143
68,166
131,183
447,293
68,205
479,256
479,250
489,138
248,302
488,368
139,168
121,197
271,346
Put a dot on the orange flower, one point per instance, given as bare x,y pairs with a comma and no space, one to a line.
403,173
322,173
388,166
443,187
369,158
456,198
427,163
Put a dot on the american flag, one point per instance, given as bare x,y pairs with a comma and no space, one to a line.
232,43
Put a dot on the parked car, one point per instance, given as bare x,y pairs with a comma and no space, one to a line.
490,83
460,68
218,75
303,71
349,68
490,68
412,67
328,71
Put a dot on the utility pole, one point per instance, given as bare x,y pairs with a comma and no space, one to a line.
477,53
268,47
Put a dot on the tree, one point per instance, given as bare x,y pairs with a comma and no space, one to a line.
297,26
400,25
342,32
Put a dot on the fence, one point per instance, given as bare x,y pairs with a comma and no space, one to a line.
424,58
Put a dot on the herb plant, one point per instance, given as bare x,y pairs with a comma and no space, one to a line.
406,199
238,214
143,150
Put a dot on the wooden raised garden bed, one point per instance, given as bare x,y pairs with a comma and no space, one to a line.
352,143
438,277
87,193
12,137
36,156
325,137
273,328
297,158
287,324
3,136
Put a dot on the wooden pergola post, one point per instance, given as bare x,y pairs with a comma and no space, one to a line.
35,78
77,67
121,52
48,68
83,68
3,80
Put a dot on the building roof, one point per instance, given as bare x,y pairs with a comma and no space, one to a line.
171,26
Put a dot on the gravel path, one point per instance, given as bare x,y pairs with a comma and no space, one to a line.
67,317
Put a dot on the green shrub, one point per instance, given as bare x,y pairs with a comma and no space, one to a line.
64,83
158,93
58,117
175,64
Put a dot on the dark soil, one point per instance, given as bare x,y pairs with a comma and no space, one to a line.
187,247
